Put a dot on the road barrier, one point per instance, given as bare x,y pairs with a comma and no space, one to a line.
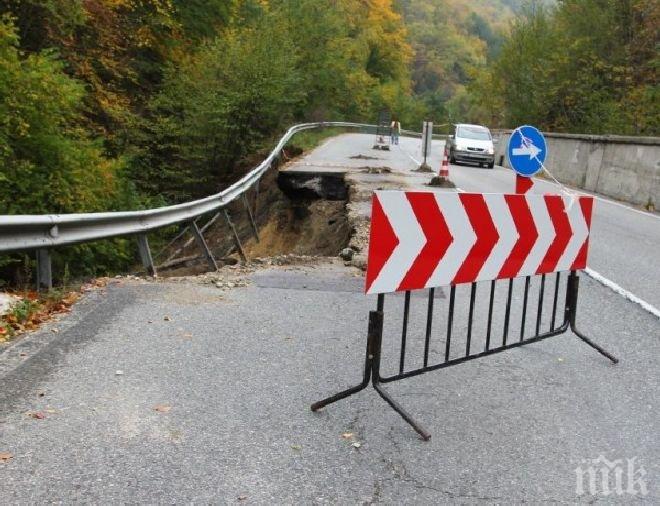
426,240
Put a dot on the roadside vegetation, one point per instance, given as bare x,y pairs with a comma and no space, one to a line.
127,104
33,309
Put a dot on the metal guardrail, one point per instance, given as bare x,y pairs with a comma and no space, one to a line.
27,232
41,232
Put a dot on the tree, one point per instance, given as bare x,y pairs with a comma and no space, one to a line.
47,163
215,107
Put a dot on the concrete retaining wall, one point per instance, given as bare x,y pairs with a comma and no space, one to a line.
624,168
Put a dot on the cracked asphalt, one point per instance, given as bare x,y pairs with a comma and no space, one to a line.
212,403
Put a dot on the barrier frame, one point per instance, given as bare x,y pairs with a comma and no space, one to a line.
375,336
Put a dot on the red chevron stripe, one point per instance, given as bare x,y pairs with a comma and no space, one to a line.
586,204
527,235
382,241
438,239
563,233
487,237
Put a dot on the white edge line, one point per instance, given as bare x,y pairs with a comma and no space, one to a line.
417,162
602,199
622,291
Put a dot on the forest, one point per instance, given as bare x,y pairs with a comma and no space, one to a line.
126,104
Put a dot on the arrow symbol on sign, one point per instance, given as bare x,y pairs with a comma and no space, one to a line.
527,149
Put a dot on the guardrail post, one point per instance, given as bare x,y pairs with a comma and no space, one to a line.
199,237
145,255
237,240
255,231
44,270
256,199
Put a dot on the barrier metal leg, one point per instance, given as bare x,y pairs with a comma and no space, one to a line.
426,436
377,346
372,370
573,285
375,327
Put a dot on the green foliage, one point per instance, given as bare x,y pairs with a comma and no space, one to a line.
215,107
583,66
295,60
47,163
452,40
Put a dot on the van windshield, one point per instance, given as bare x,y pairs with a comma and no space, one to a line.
476,133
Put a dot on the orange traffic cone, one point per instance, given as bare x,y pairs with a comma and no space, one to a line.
444,167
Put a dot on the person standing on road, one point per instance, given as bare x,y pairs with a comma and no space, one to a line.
395,131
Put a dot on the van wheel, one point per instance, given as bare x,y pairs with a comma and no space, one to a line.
491,165
451,157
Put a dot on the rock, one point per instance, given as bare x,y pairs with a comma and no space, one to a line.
346,254
441,182
7,301
359,261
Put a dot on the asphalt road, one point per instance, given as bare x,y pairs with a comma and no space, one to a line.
164,392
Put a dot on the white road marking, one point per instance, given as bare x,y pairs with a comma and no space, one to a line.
622,291
603,199
417,162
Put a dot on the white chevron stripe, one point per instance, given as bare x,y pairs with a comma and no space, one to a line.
506,228
411,240
580,234
546,231
461,230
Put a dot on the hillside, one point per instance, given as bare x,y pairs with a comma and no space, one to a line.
451,40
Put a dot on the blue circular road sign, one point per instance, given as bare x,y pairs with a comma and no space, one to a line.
527,150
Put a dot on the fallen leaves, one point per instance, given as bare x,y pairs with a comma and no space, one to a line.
32,310
163,408
6,456
167,318
37,415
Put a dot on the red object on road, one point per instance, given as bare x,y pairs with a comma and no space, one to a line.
444,167
430,239
523,184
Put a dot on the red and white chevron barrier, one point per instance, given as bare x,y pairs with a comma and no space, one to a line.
426,239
